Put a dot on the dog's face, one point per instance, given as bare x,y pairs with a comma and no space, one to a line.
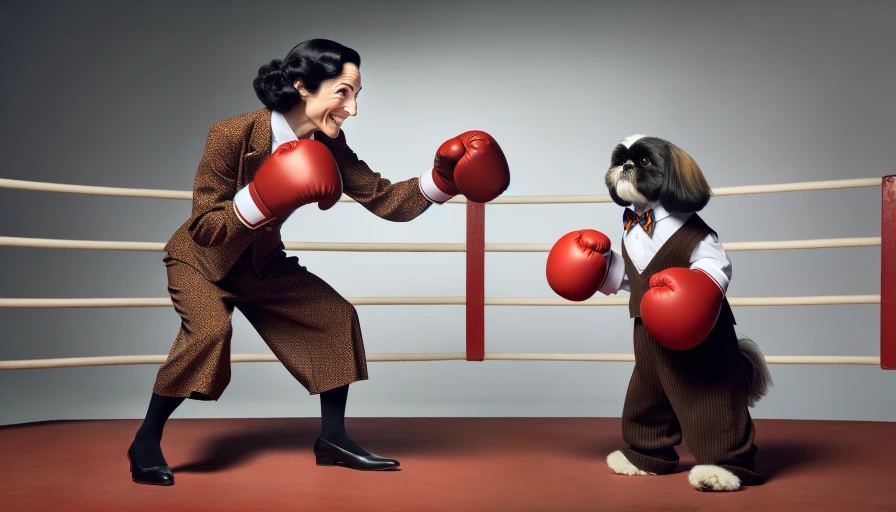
649,169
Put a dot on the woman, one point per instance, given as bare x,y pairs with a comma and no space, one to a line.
229,253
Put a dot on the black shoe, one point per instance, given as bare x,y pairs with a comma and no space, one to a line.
328,454
157,475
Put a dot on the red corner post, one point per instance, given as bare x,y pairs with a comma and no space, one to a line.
888,274
475,281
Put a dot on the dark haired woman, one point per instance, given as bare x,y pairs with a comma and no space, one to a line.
256,169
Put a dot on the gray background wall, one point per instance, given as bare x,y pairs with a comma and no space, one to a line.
122,94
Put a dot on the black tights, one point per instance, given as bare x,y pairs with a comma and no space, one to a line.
147,441
332,419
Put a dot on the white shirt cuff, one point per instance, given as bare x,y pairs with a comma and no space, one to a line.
430,190
712,270
615,272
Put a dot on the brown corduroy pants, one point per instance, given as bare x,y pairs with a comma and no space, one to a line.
308,326
699,393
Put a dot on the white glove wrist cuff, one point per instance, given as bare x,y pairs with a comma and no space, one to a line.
615,273
246,210
430,190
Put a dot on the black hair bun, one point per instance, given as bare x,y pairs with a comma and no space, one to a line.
271,87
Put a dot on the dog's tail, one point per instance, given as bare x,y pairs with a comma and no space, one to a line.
758,377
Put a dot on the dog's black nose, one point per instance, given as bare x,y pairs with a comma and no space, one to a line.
628,166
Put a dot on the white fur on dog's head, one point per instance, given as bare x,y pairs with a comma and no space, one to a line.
628,141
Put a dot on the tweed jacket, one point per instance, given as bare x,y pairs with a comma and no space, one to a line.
213,238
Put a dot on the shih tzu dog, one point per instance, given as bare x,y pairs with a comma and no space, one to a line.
699,390
648,169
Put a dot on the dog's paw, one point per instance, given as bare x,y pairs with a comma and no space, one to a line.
621,466
706,477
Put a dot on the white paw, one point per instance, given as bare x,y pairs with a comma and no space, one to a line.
621,466
706,477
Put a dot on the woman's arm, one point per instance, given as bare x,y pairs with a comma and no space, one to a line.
398,202
214,221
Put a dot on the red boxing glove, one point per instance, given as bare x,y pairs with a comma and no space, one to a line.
576,264
681,307
297,173
471,164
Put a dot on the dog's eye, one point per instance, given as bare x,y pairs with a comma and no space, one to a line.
645,161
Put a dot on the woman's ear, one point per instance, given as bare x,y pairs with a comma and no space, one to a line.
684,187
300,87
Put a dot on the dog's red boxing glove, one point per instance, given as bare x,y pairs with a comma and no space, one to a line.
576,264
471,164
681,307
299,172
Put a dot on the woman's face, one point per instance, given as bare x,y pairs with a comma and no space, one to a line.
335,100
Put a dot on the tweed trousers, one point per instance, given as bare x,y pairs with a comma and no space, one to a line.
309,327
699,393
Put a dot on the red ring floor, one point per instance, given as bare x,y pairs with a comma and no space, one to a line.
447,464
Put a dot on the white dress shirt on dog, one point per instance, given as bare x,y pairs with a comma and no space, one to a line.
709,255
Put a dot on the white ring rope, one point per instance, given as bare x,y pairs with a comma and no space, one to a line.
39,186
722,191
73,362
750,301
447,301
155,303
48,243
630,358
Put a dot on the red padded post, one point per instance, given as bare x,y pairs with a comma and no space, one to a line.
475,281
888,274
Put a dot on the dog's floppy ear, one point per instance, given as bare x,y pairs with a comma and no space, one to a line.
684,187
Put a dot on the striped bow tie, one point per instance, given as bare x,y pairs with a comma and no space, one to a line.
646,220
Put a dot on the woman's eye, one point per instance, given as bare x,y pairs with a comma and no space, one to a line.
645,161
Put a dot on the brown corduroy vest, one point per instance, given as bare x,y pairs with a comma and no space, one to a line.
676,252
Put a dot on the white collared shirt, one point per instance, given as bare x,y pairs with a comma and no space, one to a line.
709,255
281,133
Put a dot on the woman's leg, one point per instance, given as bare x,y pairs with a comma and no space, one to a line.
332,419
198,364
147,442
199,361
316,334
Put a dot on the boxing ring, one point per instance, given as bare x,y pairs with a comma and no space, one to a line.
475,303
475,300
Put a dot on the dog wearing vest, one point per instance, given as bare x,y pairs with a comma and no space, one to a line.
694,378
